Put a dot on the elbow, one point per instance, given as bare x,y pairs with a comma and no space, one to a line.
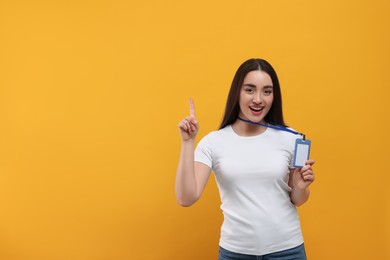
186,202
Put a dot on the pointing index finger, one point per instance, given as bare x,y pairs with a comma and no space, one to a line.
192,107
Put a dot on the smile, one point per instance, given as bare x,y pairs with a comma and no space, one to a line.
256,109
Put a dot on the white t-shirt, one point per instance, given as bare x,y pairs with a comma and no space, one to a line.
252,176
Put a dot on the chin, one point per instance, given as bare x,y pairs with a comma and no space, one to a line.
255,119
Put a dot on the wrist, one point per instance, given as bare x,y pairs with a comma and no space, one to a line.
301,189
188,141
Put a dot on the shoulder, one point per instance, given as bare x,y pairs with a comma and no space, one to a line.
216,136
221,133
284,137
286,132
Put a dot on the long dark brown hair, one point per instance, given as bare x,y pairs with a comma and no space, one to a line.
275,114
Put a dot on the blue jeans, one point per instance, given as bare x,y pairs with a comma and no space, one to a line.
296,253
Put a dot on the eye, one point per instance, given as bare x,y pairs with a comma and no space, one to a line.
268,92
249,90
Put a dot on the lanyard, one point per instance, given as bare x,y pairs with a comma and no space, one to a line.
277,127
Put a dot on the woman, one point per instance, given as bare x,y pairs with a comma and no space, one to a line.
252,164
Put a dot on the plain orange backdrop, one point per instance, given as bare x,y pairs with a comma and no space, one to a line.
91,93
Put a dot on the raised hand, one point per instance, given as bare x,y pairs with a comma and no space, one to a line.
189,126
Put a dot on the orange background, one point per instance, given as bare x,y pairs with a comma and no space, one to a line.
91,93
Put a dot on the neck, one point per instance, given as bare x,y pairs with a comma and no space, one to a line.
253,123
244,128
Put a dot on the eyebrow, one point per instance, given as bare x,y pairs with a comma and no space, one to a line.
253,86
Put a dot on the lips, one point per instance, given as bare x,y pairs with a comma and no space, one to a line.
256,109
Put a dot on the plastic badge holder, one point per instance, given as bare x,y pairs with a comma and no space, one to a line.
302,152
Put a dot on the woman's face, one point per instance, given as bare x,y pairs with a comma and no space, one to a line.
256,96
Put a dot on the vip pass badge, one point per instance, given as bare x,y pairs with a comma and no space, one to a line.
302,146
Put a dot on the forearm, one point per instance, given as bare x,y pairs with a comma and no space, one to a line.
186,187
299,196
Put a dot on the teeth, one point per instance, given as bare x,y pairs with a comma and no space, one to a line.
256,109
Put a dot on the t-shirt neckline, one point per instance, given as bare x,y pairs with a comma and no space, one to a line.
248,137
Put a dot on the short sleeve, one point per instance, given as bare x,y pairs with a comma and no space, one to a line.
203,152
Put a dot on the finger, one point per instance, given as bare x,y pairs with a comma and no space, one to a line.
188,125
192,123
308,172
309,177
310,162
193,120
305,168
191,127
183,126
192,108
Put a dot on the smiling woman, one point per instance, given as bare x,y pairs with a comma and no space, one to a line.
256,96
259,188
89,98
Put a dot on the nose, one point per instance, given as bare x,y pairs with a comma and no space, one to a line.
257,99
